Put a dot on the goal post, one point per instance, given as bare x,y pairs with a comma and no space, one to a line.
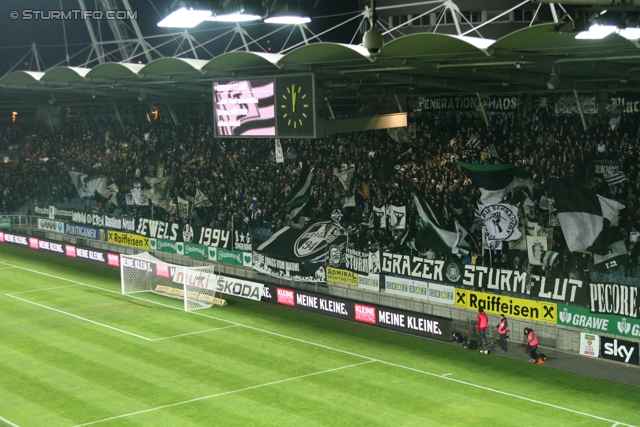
194,285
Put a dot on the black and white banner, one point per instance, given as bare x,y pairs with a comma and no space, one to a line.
499,222
238,287
242,241
304,271
181,232
349,259
628,102
469,103
567,104
612,298
84,232
487,278
398,217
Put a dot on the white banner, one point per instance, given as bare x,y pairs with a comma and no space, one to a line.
442,294
380,213
536,247
567,104
589,344
398,217
183,207
500,222
369,282
432,292
278,149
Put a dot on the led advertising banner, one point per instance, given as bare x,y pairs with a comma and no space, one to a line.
424,325
244,108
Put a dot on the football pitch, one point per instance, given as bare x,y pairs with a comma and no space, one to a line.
75,352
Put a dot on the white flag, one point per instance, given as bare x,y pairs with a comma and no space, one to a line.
81,187
536,247
279,155
380,213
500,222
398,217
129,199
183,207
461,235
201,200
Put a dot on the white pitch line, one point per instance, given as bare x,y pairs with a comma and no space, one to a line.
6,421
6,268
44,289
445,375
81,318
225,393
193,333
340,351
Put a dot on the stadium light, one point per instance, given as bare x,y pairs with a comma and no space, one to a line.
630,33
184,18
596,32
289,13
237,11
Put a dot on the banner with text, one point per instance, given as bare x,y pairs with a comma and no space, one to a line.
579,317
538,311
127,239
613,298
469,103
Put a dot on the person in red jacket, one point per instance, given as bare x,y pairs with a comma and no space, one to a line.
503,331
481,326
532,342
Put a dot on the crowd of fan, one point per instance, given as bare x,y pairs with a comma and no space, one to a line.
248,189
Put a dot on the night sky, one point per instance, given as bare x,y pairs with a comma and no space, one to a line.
17,35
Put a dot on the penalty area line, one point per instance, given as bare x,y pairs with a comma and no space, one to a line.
370,359
81,318
225,393
194,333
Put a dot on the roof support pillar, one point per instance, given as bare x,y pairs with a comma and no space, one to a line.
584,122
484,113
172,113
117,111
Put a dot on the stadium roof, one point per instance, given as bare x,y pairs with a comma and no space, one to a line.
413,65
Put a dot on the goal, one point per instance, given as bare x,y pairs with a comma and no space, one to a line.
145,273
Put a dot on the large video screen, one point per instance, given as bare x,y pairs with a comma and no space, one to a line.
245,107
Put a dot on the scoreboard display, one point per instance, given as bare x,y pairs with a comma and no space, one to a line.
282,106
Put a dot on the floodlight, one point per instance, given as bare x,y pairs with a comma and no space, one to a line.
184,18
290,13
596,32
237,11
630,33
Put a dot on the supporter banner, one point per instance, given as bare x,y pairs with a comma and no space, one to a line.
50,225
369,282
52,212
5,222
619,350
122,224
628,102
179,232
167,246
85,232
307,271
85,218
605,166
539,311
126,239
242,241
579,317
469,103
342,276
353,260
567,104
613,298
589,345
480,277
195,251
424,325
374,262
229,257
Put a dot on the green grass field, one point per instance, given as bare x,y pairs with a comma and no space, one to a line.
74,351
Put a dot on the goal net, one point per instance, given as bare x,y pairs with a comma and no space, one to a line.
145,273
